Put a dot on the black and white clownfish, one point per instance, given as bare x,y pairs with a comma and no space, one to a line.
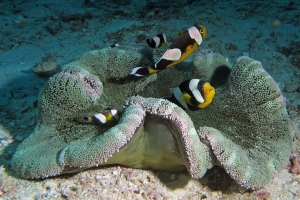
105,117
114,45
179,50
157,41
192,94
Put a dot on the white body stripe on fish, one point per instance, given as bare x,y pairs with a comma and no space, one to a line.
172,54
101,118
156,40
165,37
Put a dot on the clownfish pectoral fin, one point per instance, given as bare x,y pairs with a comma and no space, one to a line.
164,45
187,98
143,71
178,33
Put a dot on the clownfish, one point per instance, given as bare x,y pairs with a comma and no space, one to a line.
192,94
157,41
105,117
179,50
114,45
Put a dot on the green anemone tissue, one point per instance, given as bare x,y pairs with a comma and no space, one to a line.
245,129
247,125
87,85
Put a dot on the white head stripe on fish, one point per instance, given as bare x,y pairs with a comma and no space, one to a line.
193,85
178,94
101,118
156,40
172,54
195,34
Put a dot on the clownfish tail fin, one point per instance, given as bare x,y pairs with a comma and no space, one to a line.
140,71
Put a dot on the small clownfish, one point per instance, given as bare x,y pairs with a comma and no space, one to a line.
186,44
105,117
157,41
192,94
114,45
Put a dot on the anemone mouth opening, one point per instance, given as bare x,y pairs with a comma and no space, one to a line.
220,76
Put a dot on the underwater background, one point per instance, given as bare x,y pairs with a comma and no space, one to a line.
35,32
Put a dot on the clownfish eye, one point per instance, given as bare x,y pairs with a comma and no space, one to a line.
201,30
